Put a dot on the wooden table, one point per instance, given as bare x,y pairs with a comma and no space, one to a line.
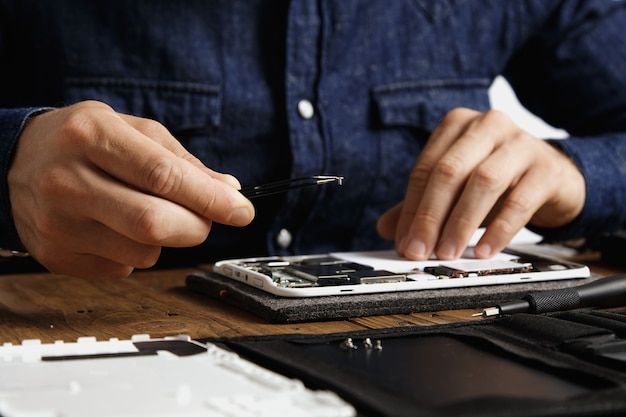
54,307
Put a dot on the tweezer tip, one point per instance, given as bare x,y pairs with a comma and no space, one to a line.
323,179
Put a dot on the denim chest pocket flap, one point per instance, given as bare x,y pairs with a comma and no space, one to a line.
422,104
177,105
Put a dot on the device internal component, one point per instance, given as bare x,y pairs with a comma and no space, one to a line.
327,270
479,268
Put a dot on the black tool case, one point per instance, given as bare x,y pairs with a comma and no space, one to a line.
562,364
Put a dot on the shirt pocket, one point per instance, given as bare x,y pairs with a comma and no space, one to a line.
422,104
179,106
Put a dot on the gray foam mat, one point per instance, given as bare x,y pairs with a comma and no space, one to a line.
293,310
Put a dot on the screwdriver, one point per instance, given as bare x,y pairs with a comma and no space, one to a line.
603,292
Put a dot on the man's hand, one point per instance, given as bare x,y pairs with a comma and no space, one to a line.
95,193
481,169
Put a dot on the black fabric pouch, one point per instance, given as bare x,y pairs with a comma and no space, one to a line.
564,364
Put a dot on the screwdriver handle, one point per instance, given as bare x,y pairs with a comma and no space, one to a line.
603,292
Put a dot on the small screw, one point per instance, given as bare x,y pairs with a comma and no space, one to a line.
368,343
348,344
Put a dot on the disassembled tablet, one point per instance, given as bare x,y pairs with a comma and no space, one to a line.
384,271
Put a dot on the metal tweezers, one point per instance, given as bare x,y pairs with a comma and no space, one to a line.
290,184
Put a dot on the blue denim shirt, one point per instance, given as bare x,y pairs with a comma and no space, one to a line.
227,78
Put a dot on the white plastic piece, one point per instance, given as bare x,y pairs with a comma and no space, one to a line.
114,378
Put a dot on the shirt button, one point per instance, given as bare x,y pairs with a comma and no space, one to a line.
284,238
305,109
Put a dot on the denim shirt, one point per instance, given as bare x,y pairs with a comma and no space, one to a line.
271,89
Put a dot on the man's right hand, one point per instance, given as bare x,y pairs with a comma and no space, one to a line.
96,194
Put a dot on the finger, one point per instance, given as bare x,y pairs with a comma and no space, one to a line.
144,163
151,220
145,219
162,136
561,198
486,185
94,239
158,133
515,212
436,182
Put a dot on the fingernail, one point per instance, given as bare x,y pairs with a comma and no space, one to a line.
241,216
483,250
416,249
446,250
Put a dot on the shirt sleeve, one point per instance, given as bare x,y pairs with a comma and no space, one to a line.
12,123
571,73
